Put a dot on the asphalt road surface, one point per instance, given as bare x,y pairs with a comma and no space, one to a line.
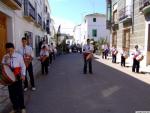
67,90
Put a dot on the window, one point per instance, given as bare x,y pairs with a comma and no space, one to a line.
115,19
94,33
94,19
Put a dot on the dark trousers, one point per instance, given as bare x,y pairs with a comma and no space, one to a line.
30,71
106,54
123,61
114,58
136,65
45,66
53,55
16,94
103,54
50,58
87,62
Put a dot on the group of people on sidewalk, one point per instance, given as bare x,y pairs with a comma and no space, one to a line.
136,54
20,63
88,54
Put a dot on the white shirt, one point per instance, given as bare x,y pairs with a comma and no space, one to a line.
26,50
103,46
87,48
136,53
124,53
16,60
50,49
114,49
44,53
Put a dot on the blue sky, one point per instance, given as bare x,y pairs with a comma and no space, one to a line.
71,12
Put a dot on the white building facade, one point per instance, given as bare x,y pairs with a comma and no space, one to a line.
19,18
77,34
95,26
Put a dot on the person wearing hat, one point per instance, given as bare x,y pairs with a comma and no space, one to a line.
88,51
136,63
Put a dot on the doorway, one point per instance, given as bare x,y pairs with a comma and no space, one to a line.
126,39
3,34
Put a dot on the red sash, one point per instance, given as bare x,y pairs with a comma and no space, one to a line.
17,71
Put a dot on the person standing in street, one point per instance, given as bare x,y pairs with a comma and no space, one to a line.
16,63
136,60
87,54
27,53
53,50
124,55
103,51
114,54
50,54
106,50
44,57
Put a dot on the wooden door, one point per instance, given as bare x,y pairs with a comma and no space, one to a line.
114,39
3,34
127,38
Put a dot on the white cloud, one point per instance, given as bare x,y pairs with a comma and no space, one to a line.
66,25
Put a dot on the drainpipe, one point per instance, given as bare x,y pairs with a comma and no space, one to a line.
133,17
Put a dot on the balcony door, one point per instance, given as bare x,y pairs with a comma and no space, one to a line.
126,38
3,34
114,39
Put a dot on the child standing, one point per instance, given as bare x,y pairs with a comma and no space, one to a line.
44,56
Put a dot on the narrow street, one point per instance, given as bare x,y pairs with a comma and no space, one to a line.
67,90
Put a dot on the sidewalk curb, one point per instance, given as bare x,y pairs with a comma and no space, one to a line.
127,70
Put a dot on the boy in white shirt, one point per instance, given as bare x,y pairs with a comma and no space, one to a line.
16,63
88,50
136,63
27,53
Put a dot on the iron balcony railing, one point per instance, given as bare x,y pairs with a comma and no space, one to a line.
19,2
44,25
125,12
29,10
39,19
143,3
48,26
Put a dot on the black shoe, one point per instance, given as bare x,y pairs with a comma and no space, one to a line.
84,73
91,72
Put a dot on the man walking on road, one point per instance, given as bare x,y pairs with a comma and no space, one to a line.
88,54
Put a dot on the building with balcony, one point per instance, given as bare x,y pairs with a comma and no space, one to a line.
129,22
20,18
